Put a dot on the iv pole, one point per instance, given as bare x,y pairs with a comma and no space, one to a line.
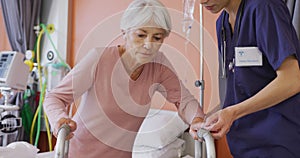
200,83
202,133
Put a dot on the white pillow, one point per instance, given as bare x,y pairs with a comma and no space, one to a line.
18,149
160,128
174,149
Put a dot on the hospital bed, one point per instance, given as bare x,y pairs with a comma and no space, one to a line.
162,135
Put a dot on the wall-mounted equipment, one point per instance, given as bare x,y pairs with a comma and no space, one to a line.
13,77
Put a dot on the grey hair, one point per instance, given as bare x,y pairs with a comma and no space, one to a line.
141,12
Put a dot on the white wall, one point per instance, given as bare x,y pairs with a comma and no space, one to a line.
55,12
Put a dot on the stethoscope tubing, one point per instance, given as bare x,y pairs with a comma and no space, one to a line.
223,43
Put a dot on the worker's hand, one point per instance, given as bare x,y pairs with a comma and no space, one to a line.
196,124
72,124
219,123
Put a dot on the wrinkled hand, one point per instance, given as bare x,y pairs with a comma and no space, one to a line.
219,123
67,121
196,124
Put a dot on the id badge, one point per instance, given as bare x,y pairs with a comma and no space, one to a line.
248,56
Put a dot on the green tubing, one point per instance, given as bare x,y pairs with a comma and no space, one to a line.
27,112
40,113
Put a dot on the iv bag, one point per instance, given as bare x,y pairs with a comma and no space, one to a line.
188,17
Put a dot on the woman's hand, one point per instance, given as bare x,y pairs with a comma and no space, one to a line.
72,124
219,123
196,124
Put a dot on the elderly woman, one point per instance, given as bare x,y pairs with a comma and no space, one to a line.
116,85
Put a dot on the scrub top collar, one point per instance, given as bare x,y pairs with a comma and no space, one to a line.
238,22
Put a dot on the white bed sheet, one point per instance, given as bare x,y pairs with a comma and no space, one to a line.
172,150
26,150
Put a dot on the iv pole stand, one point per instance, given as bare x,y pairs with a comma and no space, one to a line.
208,145
200,83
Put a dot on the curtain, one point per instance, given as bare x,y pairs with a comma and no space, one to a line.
20,17
296,17
294,8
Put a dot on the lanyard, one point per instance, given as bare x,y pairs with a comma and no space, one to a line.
223,43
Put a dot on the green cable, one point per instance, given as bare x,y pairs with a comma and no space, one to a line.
44,85
39,113
26,112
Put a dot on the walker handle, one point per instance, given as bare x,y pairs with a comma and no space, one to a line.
62,145
208,141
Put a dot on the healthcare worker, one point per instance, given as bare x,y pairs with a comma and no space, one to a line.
259,60
116,84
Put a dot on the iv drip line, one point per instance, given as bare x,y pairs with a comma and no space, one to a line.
186,65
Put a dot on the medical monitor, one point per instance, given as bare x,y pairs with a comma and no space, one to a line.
13,72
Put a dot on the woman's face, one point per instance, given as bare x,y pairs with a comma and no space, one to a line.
143,43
